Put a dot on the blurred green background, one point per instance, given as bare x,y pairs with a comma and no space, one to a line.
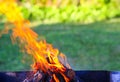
87,31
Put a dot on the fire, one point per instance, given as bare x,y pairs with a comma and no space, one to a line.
44,54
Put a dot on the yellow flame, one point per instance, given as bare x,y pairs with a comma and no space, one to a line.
45,56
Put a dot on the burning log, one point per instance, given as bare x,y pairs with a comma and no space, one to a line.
30,76
50,76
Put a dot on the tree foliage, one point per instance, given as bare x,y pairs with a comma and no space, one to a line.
69,10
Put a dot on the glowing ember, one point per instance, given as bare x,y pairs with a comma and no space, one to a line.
45,56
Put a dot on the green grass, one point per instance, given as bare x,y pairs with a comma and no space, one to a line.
94,46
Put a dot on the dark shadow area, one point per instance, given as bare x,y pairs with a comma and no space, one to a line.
80,76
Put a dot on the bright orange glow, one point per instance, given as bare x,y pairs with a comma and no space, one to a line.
55,78
45,56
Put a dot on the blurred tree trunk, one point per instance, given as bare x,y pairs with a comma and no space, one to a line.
78,2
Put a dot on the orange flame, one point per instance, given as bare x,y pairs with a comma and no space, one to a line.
45,56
